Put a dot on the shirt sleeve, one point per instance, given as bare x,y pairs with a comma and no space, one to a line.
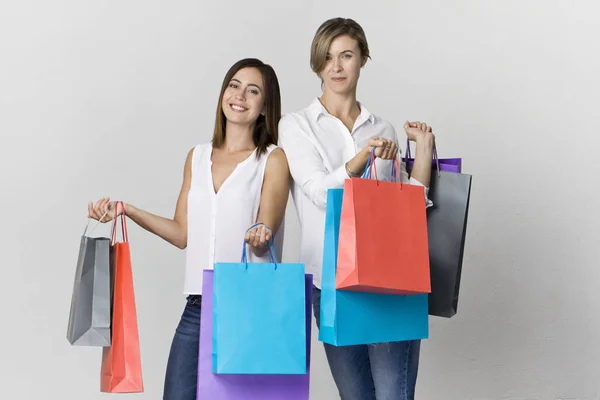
306,164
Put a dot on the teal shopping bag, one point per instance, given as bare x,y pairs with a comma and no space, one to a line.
259,318
351,318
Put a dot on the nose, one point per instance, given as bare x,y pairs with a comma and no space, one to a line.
240,94
337,65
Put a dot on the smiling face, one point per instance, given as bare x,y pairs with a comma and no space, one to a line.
244,98
343,62
250,99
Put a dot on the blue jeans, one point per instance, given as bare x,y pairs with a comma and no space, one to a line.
383,371
182,368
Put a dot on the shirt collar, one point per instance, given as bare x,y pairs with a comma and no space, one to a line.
317,109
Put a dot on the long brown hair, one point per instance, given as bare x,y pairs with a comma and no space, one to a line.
265,128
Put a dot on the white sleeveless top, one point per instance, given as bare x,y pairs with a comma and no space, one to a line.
217,223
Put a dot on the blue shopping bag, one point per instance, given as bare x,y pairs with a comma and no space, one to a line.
248,387
351,318
259,318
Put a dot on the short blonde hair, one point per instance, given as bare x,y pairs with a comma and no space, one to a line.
330,30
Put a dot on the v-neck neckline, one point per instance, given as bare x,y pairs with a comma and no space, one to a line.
210,171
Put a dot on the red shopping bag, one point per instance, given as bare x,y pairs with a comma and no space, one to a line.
121,362
383,236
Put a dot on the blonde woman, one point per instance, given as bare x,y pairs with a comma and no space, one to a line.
327,143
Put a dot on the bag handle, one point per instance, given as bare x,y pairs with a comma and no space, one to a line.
270,246
123,224
435,155
395,171
85,232
371,163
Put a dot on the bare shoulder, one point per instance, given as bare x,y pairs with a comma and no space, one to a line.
189,160
196,151
190,155
277,161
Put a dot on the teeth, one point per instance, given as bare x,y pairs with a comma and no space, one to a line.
238,108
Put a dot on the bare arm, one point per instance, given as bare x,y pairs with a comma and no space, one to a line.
173,230
273,201
422,135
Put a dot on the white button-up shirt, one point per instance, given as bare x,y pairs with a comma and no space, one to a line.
317,146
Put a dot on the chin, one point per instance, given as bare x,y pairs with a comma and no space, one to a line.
340,90
233,116
238,120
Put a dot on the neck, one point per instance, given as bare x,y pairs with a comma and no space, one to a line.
238,137
342,106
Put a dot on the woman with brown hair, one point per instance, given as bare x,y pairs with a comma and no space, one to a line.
327,143
237,183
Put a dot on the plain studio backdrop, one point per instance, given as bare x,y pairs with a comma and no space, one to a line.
106,98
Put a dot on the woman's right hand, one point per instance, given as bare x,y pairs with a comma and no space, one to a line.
258,237
385,149
104,205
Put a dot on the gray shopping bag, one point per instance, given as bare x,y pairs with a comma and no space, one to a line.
450,192
447,228
90,315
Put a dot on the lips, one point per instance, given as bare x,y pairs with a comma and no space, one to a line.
338,79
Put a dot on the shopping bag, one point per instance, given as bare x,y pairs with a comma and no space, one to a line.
352,318
383,237
259,318
248,387
89,317
438,164
450,192
121,370
447,226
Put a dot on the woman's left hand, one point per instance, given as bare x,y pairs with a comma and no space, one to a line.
416,130
258,237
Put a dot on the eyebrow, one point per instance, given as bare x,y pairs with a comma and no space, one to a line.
341,52
250,84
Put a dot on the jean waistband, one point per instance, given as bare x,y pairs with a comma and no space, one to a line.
194,300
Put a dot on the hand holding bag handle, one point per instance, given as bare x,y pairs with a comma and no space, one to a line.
270,246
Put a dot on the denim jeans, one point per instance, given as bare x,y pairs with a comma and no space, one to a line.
182,368
382,371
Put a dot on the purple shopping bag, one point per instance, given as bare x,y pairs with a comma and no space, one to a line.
443,164
247,387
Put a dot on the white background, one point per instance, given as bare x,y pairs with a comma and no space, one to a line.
106,98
